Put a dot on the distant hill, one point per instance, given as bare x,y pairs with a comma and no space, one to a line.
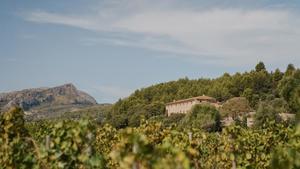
257,86
97,112
47,101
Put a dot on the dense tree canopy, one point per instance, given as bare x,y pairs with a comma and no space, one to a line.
236,106
260,66
202,116
256,86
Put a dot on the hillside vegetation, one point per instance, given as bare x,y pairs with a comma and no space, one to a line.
280,89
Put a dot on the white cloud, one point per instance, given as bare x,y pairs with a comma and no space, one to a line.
88,23
232,35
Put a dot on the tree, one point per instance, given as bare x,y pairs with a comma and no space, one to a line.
16,150
280,105
202,116
277,75
265,112
173,119
220,92
288,89
251,97
260,66
256,85
290,70
235,107
154,109
261,82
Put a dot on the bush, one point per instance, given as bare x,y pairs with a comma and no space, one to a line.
202,116
265,112
235,107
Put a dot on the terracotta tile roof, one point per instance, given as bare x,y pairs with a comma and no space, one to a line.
193,98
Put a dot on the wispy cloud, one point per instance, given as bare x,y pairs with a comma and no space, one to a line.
230,35
88,23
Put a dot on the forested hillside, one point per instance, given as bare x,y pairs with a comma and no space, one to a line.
258,86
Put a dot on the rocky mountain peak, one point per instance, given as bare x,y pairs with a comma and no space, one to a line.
28,99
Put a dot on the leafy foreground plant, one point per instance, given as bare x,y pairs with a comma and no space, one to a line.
70,144
288,156
16,148
135,151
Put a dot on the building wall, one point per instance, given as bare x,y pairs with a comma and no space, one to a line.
183,107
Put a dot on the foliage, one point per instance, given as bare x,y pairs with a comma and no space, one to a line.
149,145
236,106
173,119
65,144
289,88
94,112
106,138
287,155
202,117
76,144
16,150
256,85
40,129
70,145
265,112
260,67
178,141
135,150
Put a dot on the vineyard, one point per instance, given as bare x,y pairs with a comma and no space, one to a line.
82,144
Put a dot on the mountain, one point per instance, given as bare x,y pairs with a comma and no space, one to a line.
47,101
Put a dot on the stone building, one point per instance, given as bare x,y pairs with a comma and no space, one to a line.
186,105
227,121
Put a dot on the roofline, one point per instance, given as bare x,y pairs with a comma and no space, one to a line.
190,99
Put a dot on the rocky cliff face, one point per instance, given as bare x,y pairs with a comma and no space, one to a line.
32,99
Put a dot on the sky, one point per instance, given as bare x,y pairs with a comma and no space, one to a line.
110,48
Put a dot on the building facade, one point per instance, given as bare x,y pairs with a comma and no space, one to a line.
186,105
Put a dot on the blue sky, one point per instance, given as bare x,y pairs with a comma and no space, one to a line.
109,48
